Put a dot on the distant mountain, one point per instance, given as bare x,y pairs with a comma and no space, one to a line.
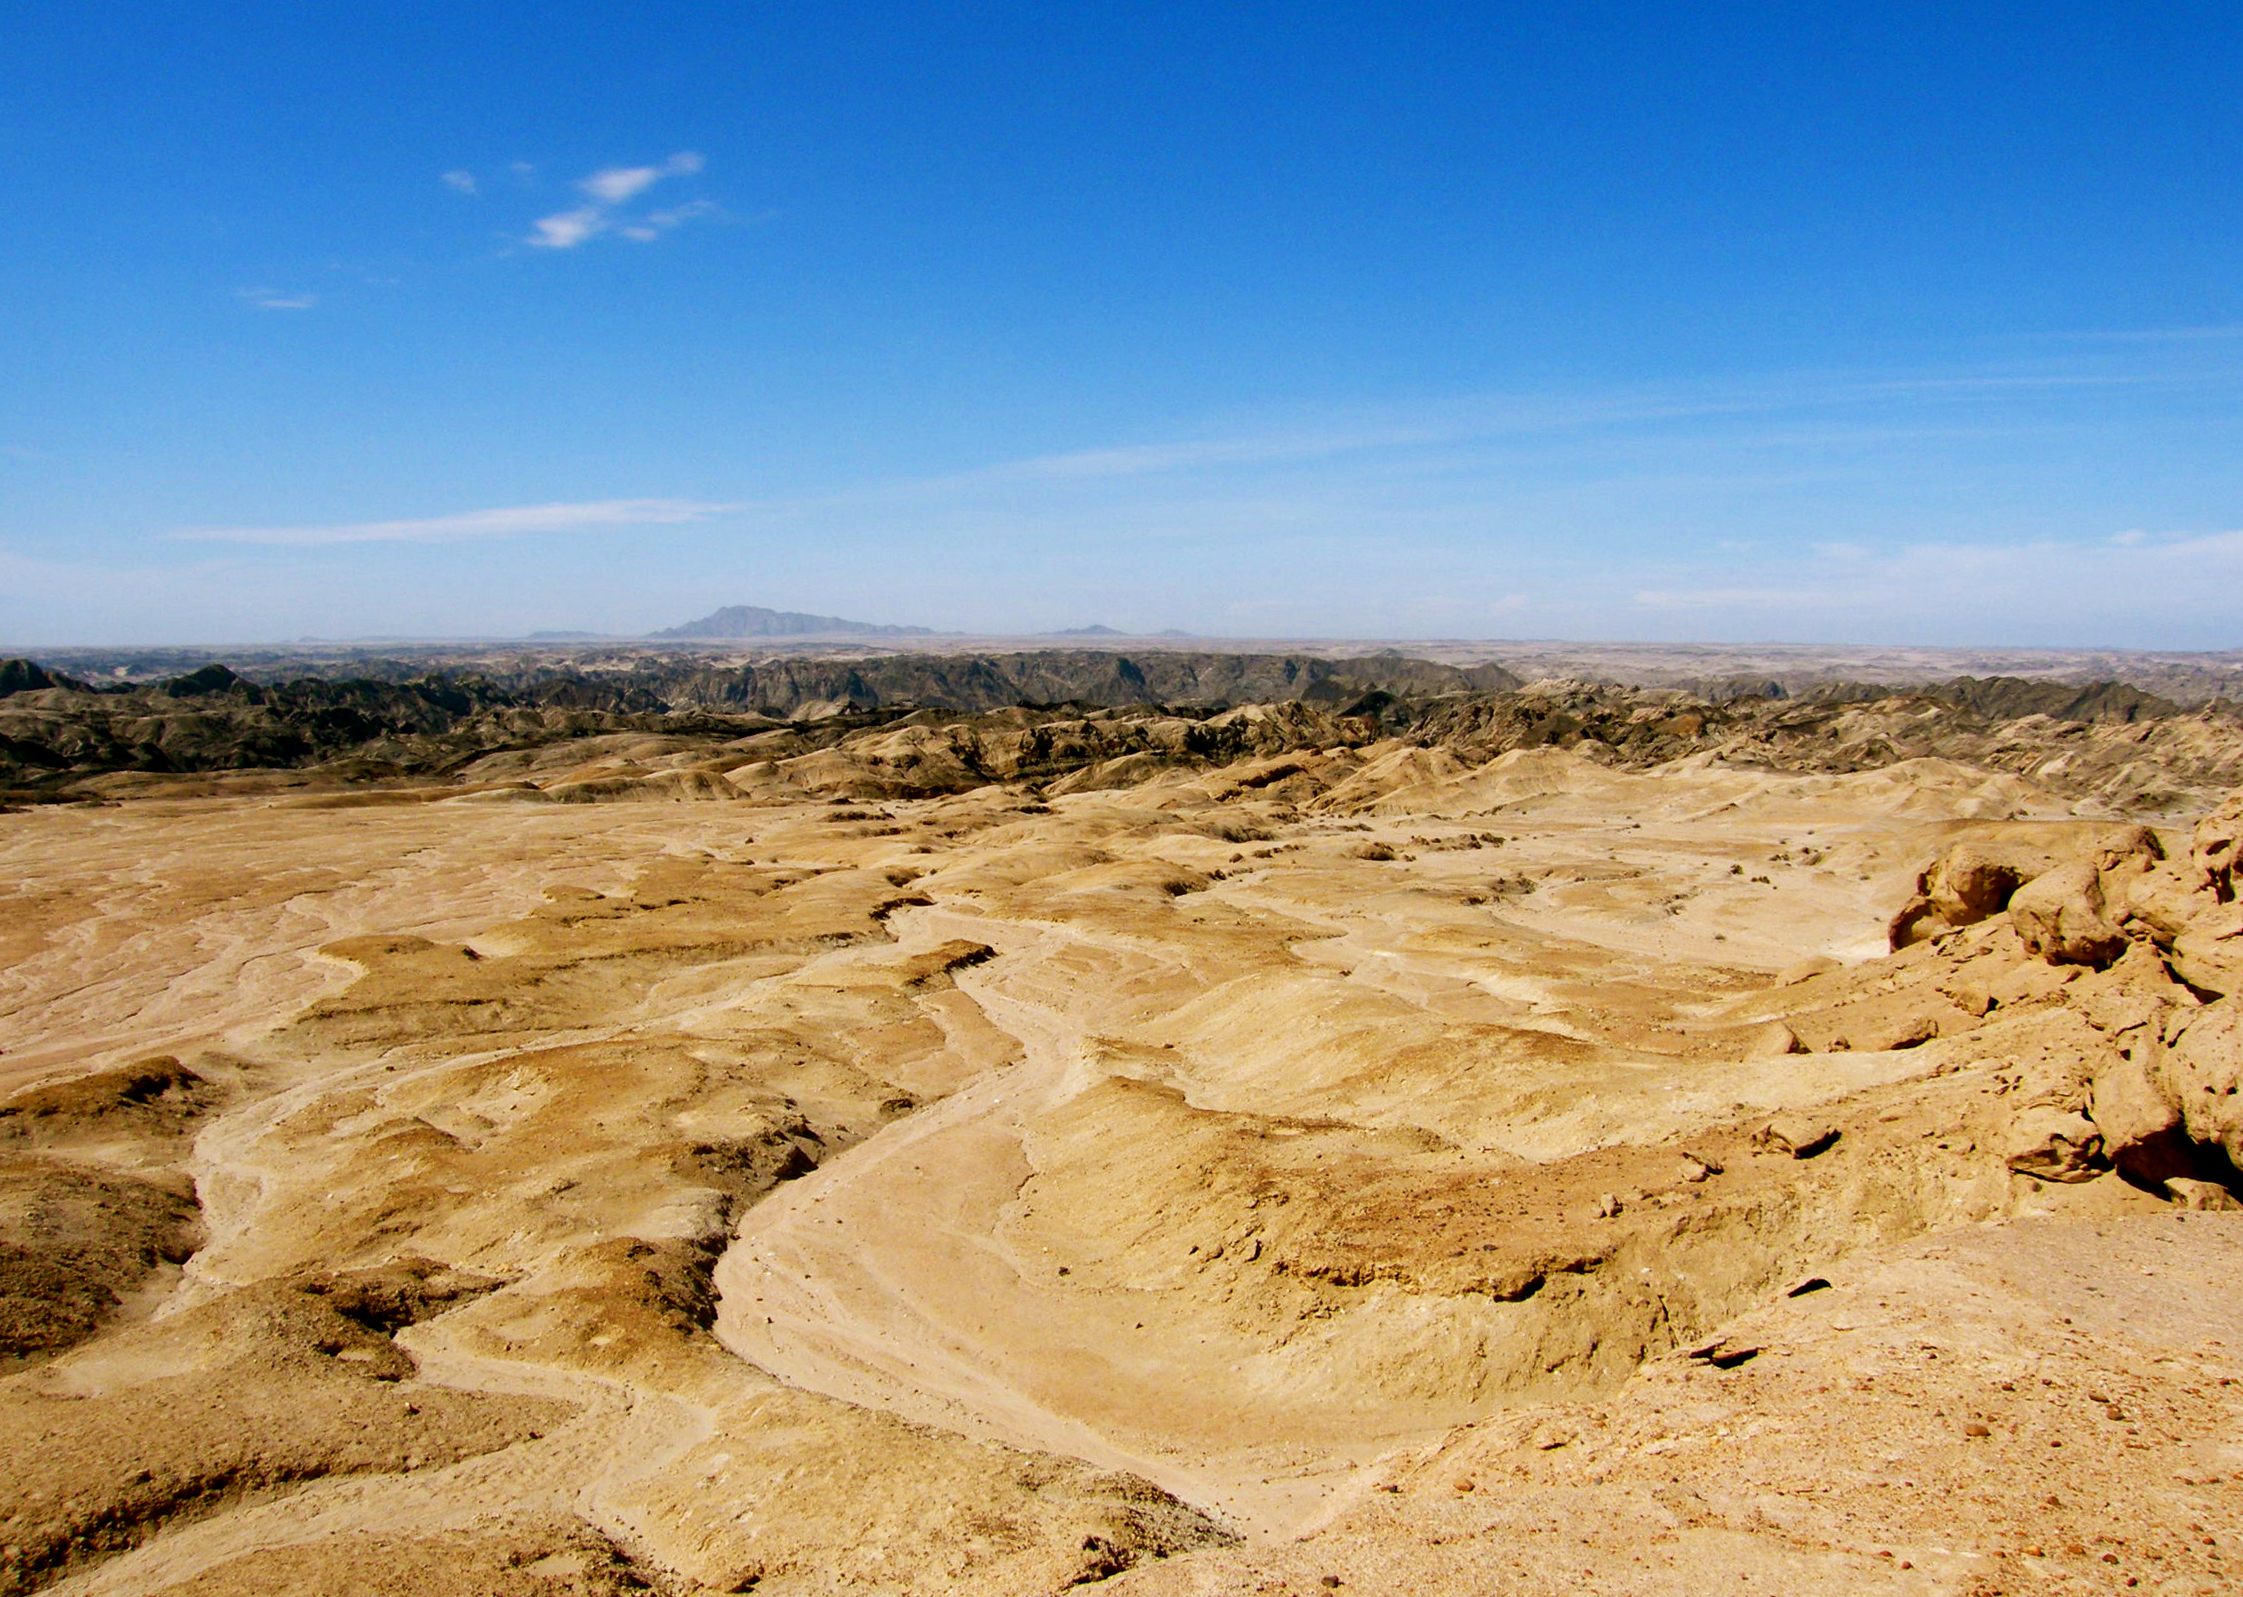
1094,630
563,637
753,621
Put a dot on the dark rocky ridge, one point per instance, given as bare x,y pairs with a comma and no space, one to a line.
781,688
53,728
1710,671
2010,697
1071,709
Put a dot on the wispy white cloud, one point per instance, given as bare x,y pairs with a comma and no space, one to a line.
615,186
461,182
656,223
1737,599
2147,335
1848,403
619,183
511,522
2143,562
564,230
1454,609
1151,459
2063,590
272,299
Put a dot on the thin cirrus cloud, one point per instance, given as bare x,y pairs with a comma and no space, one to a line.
509,522
1737,599
611,188
272,299
2178,582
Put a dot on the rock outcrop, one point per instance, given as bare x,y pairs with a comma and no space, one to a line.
2060,917
2050,878
2216,846
2142,1128
2202,1074
2053,1144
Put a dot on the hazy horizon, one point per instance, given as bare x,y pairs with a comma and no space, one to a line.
1098,637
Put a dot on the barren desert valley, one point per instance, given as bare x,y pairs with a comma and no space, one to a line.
1184,1122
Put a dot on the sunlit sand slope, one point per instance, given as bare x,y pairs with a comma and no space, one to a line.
1367,1164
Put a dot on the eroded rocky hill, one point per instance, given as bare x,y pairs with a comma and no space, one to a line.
912,726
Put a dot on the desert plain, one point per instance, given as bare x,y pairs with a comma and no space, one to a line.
1554,1138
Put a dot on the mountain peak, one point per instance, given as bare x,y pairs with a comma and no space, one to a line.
753,621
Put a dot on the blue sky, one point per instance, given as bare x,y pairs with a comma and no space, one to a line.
1898,324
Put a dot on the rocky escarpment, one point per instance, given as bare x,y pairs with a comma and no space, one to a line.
54,728
920,725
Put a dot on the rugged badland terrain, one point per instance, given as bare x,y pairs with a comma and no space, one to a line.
1264,1125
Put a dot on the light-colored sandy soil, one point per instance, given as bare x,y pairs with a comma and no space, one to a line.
1367,1170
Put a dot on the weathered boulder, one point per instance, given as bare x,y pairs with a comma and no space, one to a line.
1774,1041
2202,1073
2218,841
2128,849
2141,1127
2026,982
2061,916
2209,954
2055,1056
1806,970
2052,1144
2193,1194
2187,911
2159,904
2051,1059
1801,1136
1978,878
1972,881
1961,888
2131,999
1902,1031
